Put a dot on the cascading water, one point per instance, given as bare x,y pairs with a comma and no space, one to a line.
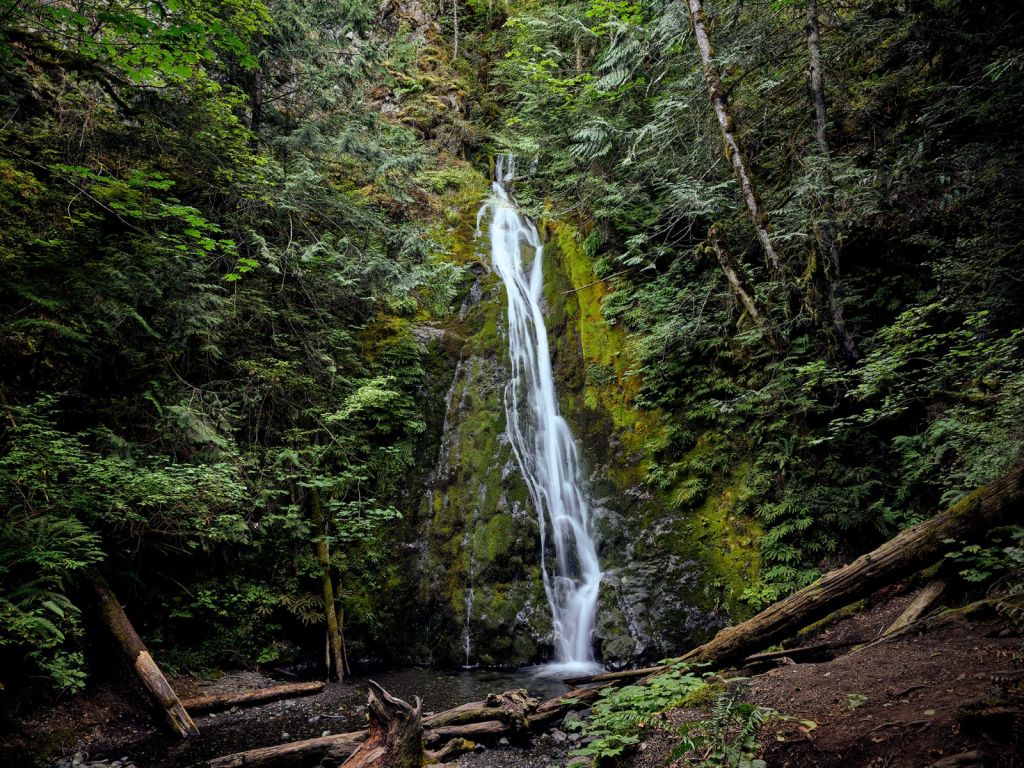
541,439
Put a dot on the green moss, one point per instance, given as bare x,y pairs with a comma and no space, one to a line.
703,697
494,539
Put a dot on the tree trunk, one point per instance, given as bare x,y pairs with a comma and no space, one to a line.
176,717
739,285
215,702
827,260
898,558
733,153
335,656
455,13
396,734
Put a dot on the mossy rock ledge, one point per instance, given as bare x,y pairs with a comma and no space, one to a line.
672,577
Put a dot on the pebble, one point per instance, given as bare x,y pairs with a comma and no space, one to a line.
503,741
314,719
285,736
325,733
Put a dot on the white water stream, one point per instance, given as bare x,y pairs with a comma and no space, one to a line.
540,437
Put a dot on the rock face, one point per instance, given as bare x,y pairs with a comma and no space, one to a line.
672,571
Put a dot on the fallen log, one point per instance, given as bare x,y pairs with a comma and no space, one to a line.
176,718
307,750
819,651
510,707
310,750
396,733
613,677
908,552
921,604
487,730
217,701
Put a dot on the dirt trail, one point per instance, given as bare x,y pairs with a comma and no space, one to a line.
906,703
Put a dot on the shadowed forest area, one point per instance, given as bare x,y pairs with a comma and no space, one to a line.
296,296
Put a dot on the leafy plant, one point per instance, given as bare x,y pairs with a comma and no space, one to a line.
727,739
620,715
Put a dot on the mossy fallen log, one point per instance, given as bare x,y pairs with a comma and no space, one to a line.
176,718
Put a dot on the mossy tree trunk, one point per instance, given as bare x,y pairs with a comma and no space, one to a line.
175,715
736,279
733,152
335,648
826,261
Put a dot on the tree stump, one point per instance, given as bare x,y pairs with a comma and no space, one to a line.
396,734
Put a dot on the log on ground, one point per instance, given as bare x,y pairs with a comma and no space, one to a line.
307,751
908,552
218,701
176,718
913,549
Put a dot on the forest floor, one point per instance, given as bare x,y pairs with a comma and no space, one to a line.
905,703
908,702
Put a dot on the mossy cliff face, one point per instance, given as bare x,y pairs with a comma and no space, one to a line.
675,567
674,570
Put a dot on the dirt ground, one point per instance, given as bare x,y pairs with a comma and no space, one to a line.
906,703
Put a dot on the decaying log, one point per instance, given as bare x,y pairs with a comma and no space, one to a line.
338,747
613,677
175,716
307,751
396,734
511,707
488,730
452,749
217,701
919,606
821,651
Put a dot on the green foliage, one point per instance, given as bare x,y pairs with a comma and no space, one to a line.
1000,558
217,249
612,100
620,715
727,739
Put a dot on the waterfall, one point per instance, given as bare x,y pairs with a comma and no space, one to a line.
540,437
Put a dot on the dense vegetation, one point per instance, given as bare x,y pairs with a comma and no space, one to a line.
919,180
213,250
222,227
